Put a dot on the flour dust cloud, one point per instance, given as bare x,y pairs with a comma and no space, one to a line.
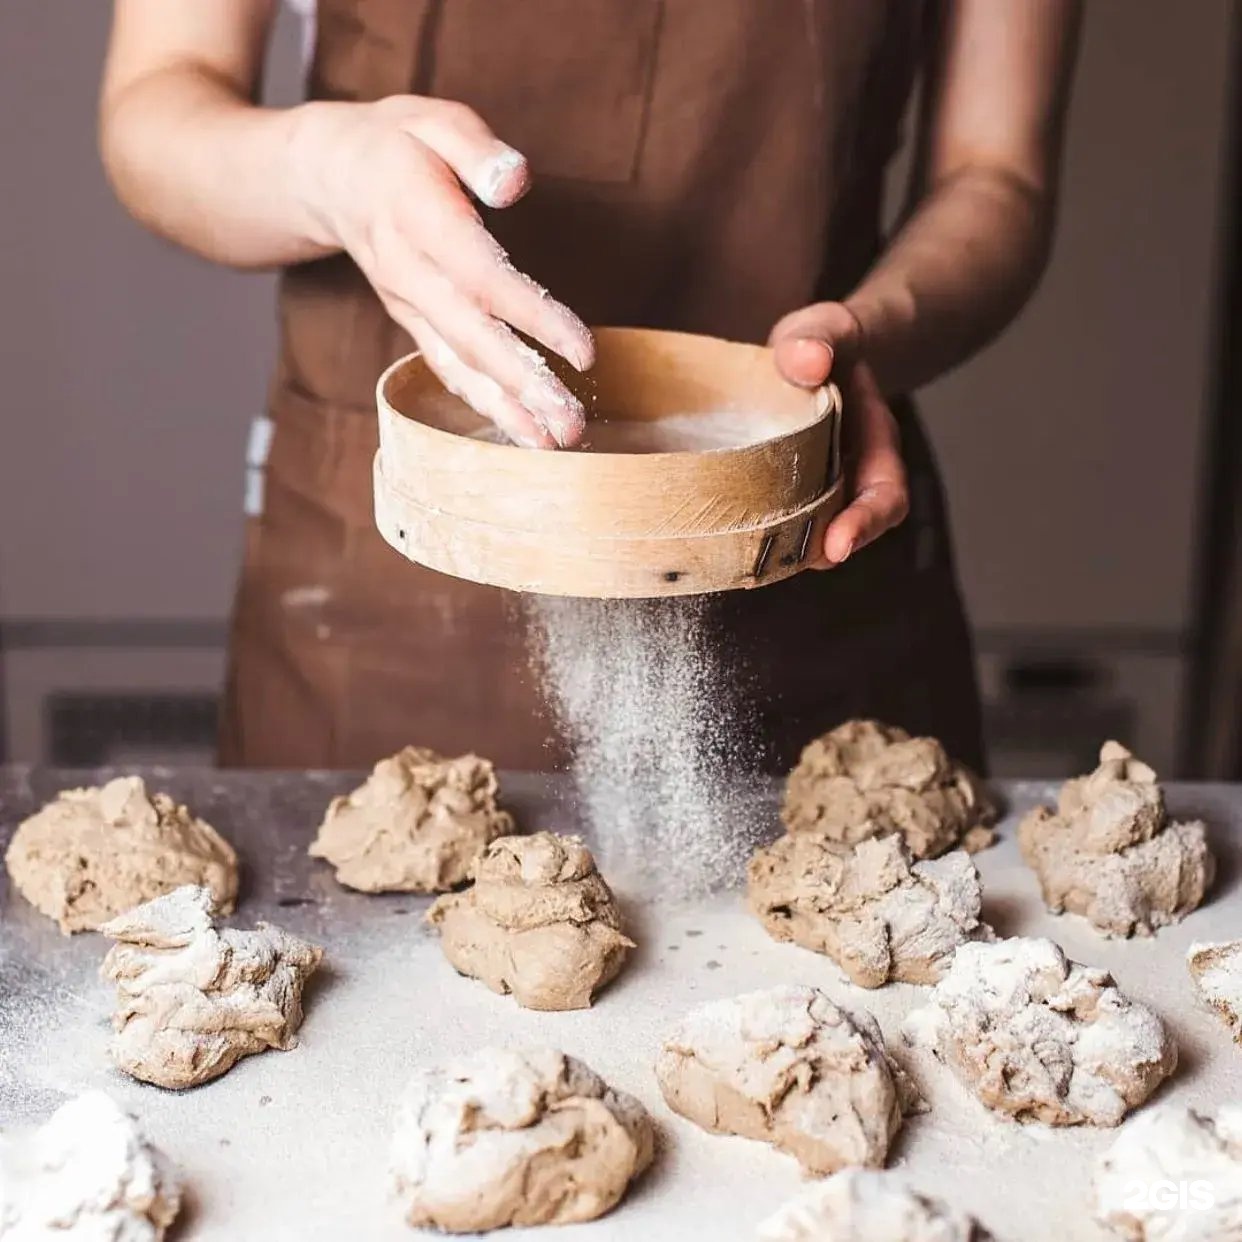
664,755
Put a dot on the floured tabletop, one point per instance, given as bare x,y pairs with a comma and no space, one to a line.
294,1145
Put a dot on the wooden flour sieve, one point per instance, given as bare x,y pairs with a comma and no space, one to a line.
606,523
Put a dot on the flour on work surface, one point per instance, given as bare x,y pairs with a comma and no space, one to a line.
664,758
88,1173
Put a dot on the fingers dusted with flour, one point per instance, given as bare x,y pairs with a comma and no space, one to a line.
824,341
397,183
497,175
479,391
392,184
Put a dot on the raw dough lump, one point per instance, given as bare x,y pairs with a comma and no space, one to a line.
415,825
866,779
1042,1038
86,1175
787,1067
865,906
191,1000
1173,1175
1109,852
863,1205
95,853
515,1138
539,922
1216,970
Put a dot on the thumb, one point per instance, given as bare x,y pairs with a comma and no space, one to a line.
813,342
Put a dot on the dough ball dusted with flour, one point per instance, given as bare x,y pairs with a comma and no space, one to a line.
1173,1175
191,1000
415,825
93,853
87,1173
866,906
539,922
1109,852
866,779
507,1137
787,1067
864,1205
1216,971
1042,1038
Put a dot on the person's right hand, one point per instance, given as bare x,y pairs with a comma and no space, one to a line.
387,182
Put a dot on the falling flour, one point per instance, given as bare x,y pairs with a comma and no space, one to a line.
664,758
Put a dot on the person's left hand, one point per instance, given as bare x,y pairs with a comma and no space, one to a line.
826,340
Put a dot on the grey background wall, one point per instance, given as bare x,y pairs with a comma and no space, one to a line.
1071,448
1078,432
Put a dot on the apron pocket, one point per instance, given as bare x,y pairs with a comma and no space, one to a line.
566,82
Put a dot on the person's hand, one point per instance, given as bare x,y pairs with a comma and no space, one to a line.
825,340
391,183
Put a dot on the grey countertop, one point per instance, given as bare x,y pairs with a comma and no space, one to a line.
293,1145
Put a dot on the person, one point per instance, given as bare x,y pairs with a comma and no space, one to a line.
714,166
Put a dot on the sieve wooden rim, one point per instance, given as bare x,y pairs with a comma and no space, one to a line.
602,566
617,493
614,524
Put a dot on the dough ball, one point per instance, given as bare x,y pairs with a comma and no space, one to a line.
863,1205
1109,852
1216,971
1173,1175
94,853
866,779
876,915
86,1173
191,1000
515,1138
415,825
539,922
787,1067
1042,1038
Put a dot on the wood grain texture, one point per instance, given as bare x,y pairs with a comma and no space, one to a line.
609,524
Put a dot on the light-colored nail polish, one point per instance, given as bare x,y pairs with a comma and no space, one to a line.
560,416
497,175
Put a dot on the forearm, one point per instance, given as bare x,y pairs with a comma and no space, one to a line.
207,169
956,273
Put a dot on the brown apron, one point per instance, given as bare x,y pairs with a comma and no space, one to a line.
705,165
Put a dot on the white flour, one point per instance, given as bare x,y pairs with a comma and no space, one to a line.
681,433
87,1174
663,756
1036,1035
293,1148
674,433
